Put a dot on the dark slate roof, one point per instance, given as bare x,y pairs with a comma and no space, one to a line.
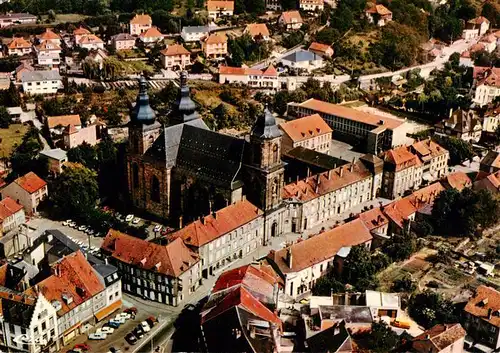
62,246
315,158
302,55
333,339
185,106
213,155
107,273
142,112
265,127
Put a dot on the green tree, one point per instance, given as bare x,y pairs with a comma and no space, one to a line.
430,308
5,118
459,149
358,269
491,11
25,157
326,285
382,338
400,246
109,170
327,36
84,154
404,284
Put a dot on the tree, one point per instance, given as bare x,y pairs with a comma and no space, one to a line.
430,308
326,285
25,157
84,154
400,246
327,36
459,149
109,170
358,269
491,11
382,338
404,284
5,118
75,192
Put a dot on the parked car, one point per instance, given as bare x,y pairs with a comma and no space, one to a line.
82,228
151,321
72,224
113,324
107,330
97,336
400,324
131,310
157,228
126,316
115,350
138,332
136,220
82,346
129,218
131,339
145,326
120,319
67,223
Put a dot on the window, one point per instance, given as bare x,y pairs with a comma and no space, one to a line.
12,328
275,153
155,189
23,330
35,330
44,326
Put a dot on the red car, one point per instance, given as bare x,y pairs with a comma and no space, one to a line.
131,310
82,346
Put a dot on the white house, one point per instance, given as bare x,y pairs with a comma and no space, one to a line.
489,42
219,8
487,86
175,57
48,54
140,24
491,120
11,215
303,59
11,19
254,78
311,5
151,36
90,41
290,20
41,82
28,190
194,33
475,28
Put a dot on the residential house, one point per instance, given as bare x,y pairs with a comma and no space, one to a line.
403,172
465,59
28,190
332,339
290,20
151,36
310,132
377,223
476,28
11,215
90,42
258,31
163,273
57,158
378,14
491,120
222,237
140,24
490,42
110,278
320,197
12,19
219,8
23,67
79,33
490,182
434,158
321,49
311,5
57,124
302,263
18,46
462,124
482,316
175,57
377,132
255,78
123,41
441,338
5,80
487,86
48,54
50,36
303,59
73,137
456,180
41,82
491,162
273,5
194,33
215,46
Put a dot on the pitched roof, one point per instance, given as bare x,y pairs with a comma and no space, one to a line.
35,76
30,182
141,20
489,38
322,48
48,35
321,247
379,9
350,113
401,158
90,39
48,45
491,78
172,259
255,29
8,207
122,36
73,277
80,31
438,338
64,120
427,149
461,121
216,39
199,233
19,42
374,218
485,298
216,5
174,50
229,70
479,20
326,182
491,182
492,159
290,17
152,32
24,66
305,128
302,55
458,180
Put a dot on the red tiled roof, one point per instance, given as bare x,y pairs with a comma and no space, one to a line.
428,149
217,5
321,247
255,29
379,9
90,39
8,207
216,39
172,259
489,182
48,35
305,128
489,39
30,182
223,221
402,158
63,120
174,50
485,298
319,47
47,45
458,180
72,277
19,42
229,70
290,16
438,338
374,218
141,20
152,32
81,31
479,20
491,78
476,47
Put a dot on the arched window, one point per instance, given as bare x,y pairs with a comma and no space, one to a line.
275,187
151,139
135,175
275,153
155,189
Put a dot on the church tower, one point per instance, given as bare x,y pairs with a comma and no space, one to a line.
263,162
185,108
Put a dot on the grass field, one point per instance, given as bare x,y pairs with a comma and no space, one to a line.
10,137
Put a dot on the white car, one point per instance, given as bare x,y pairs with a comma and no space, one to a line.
129,218
67,223
126,316
82,228
97,336
145,326
136,220
107,330
73,224
119,319
157,228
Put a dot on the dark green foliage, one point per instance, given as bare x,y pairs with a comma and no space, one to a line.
87,7
327,285
327,36
84,154
25,157
244,48
292,39
144,5
382,338
491,10
5,118
429,309
358,269
460,150
250,6
404,284
400,246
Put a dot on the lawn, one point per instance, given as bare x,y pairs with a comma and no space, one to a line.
69,17
10,137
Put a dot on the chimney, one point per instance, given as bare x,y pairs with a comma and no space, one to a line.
316,189
297,178
490,313
451,112
202,219
427,337
329,174
180,222
289,257
341,171
243,198
209,206
351,168
308,172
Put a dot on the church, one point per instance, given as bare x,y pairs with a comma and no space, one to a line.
183,171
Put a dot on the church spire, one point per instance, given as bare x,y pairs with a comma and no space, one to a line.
265,127
142,113
186,108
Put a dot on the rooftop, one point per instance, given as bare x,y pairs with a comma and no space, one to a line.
305,128
458,180
8,207
290,17
63,120
217,5
35,76
348,313
55,153
301,56
174,50
141,20
30,182
256,29
152,32
216,39
319,47
438,338
19,42
484,299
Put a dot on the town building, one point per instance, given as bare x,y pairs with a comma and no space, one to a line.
224,236
139,24
111,280
311,5
482,316
57,158
11,215
175,57
18,46
302,263
290,20
403,172
310,132
78,33
12,19
376,132
434,158
48,54
465,59
490,42
378,13
490,182
332,339
302,59
5,81
255,78
321,49
41,82
73,137
57,124
163,273
194,33
90,42
50,36
441,338
214,46
462,124
476,28
273,5
258,31
491,120
23,67
123,41
320,197
487,86
28,190
151,36
457,181
491,162
219,8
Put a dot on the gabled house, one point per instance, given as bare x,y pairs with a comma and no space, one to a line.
28,190
378,14
48,53
219,8
140,24
79,33
123,41
151,36
194,33
255,78
487,84
476,28
321,49
18,46
462,124
11,215
175,57
90,41
310,132
290,20
215,46
50,36
257,31
441,338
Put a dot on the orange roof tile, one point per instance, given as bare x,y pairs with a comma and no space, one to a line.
321,247
491,78
379,9
63,120
90,39
374,218
428,149
216,5
477,47
152,32
426,195
48,35
216,39
438,338
172,259
213,226
305,128
270,71
402,158
256,29
290,17
485,298
141,20
47,45
19,42
458,180
319,47
479,20
80,31
229,70
30,182
350,114
8,207
175,50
